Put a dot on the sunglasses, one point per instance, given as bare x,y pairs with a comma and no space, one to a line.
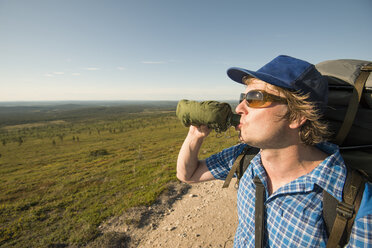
260,99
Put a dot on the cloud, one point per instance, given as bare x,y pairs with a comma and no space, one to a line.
53,74
121,68
153,62
75,74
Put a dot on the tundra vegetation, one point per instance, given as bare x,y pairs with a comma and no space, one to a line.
65,169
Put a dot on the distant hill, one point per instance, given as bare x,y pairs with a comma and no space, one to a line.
15,113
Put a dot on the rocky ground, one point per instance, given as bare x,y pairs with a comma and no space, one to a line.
198,215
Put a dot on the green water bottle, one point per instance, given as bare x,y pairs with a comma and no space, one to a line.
213,114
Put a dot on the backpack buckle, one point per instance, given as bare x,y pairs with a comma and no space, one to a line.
366,68
345,210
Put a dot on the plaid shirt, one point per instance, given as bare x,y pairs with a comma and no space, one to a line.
293,212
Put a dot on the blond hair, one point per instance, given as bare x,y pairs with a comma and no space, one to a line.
314,130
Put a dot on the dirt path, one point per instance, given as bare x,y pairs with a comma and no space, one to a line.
200,215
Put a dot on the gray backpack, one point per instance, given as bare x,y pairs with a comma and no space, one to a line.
349,115
349,110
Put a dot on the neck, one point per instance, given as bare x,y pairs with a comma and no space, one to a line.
286,164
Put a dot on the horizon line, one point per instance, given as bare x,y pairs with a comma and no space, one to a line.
131,100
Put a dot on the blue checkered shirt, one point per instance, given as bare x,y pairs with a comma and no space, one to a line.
293,214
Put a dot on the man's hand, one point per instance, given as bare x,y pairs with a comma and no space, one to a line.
199,132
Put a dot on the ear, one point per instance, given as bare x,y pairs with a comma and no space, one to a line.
298,122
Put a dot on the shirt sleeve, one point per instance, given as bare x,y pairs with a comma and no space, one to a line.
219,164
361,233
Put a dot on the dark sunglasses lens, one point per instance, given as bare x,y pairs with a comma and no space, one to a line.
255,98
255,95
260,99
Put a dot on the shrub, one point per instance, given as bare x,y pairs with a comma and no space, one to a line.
99,152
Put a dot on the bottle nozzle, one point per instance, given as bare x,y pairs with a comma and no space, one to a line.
235,120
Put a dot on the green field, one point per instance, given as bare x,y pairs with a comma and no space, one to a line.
65,170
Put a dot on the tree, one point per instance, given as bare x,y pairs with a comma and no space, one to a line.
20,140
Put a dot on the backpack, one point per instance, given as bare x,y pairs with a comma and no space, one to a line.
349,115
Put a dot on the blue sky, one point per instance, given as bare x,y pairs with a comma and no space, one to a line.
165,49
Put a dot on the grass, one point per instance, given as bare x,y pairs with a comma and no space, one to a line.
64,179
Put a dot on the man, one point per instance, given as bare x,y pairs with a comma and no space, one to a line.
280,114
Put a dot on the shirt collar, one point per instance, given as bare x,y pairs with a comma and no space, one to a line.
329,175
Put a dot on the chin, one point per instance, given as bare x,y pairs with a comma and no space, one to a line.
248,142
241,139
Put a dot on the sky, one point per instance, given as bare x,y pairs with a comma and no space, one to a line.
165,49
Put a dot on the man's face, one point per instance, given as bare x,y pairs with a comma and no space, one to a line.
263,127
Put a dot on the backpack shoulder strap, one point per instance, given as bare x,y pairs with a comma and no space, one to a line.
339,216
241,164
259,213
353,104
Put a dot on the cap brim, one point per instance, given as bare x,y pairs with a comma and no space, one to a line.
237,74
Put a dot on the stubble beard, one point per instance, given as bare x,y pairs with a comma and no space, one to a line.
243,141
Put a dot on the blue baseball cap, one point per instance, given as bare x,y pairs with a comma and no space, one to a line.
289,73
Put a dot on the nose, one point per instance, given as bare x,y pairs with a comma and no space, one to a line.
241,108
